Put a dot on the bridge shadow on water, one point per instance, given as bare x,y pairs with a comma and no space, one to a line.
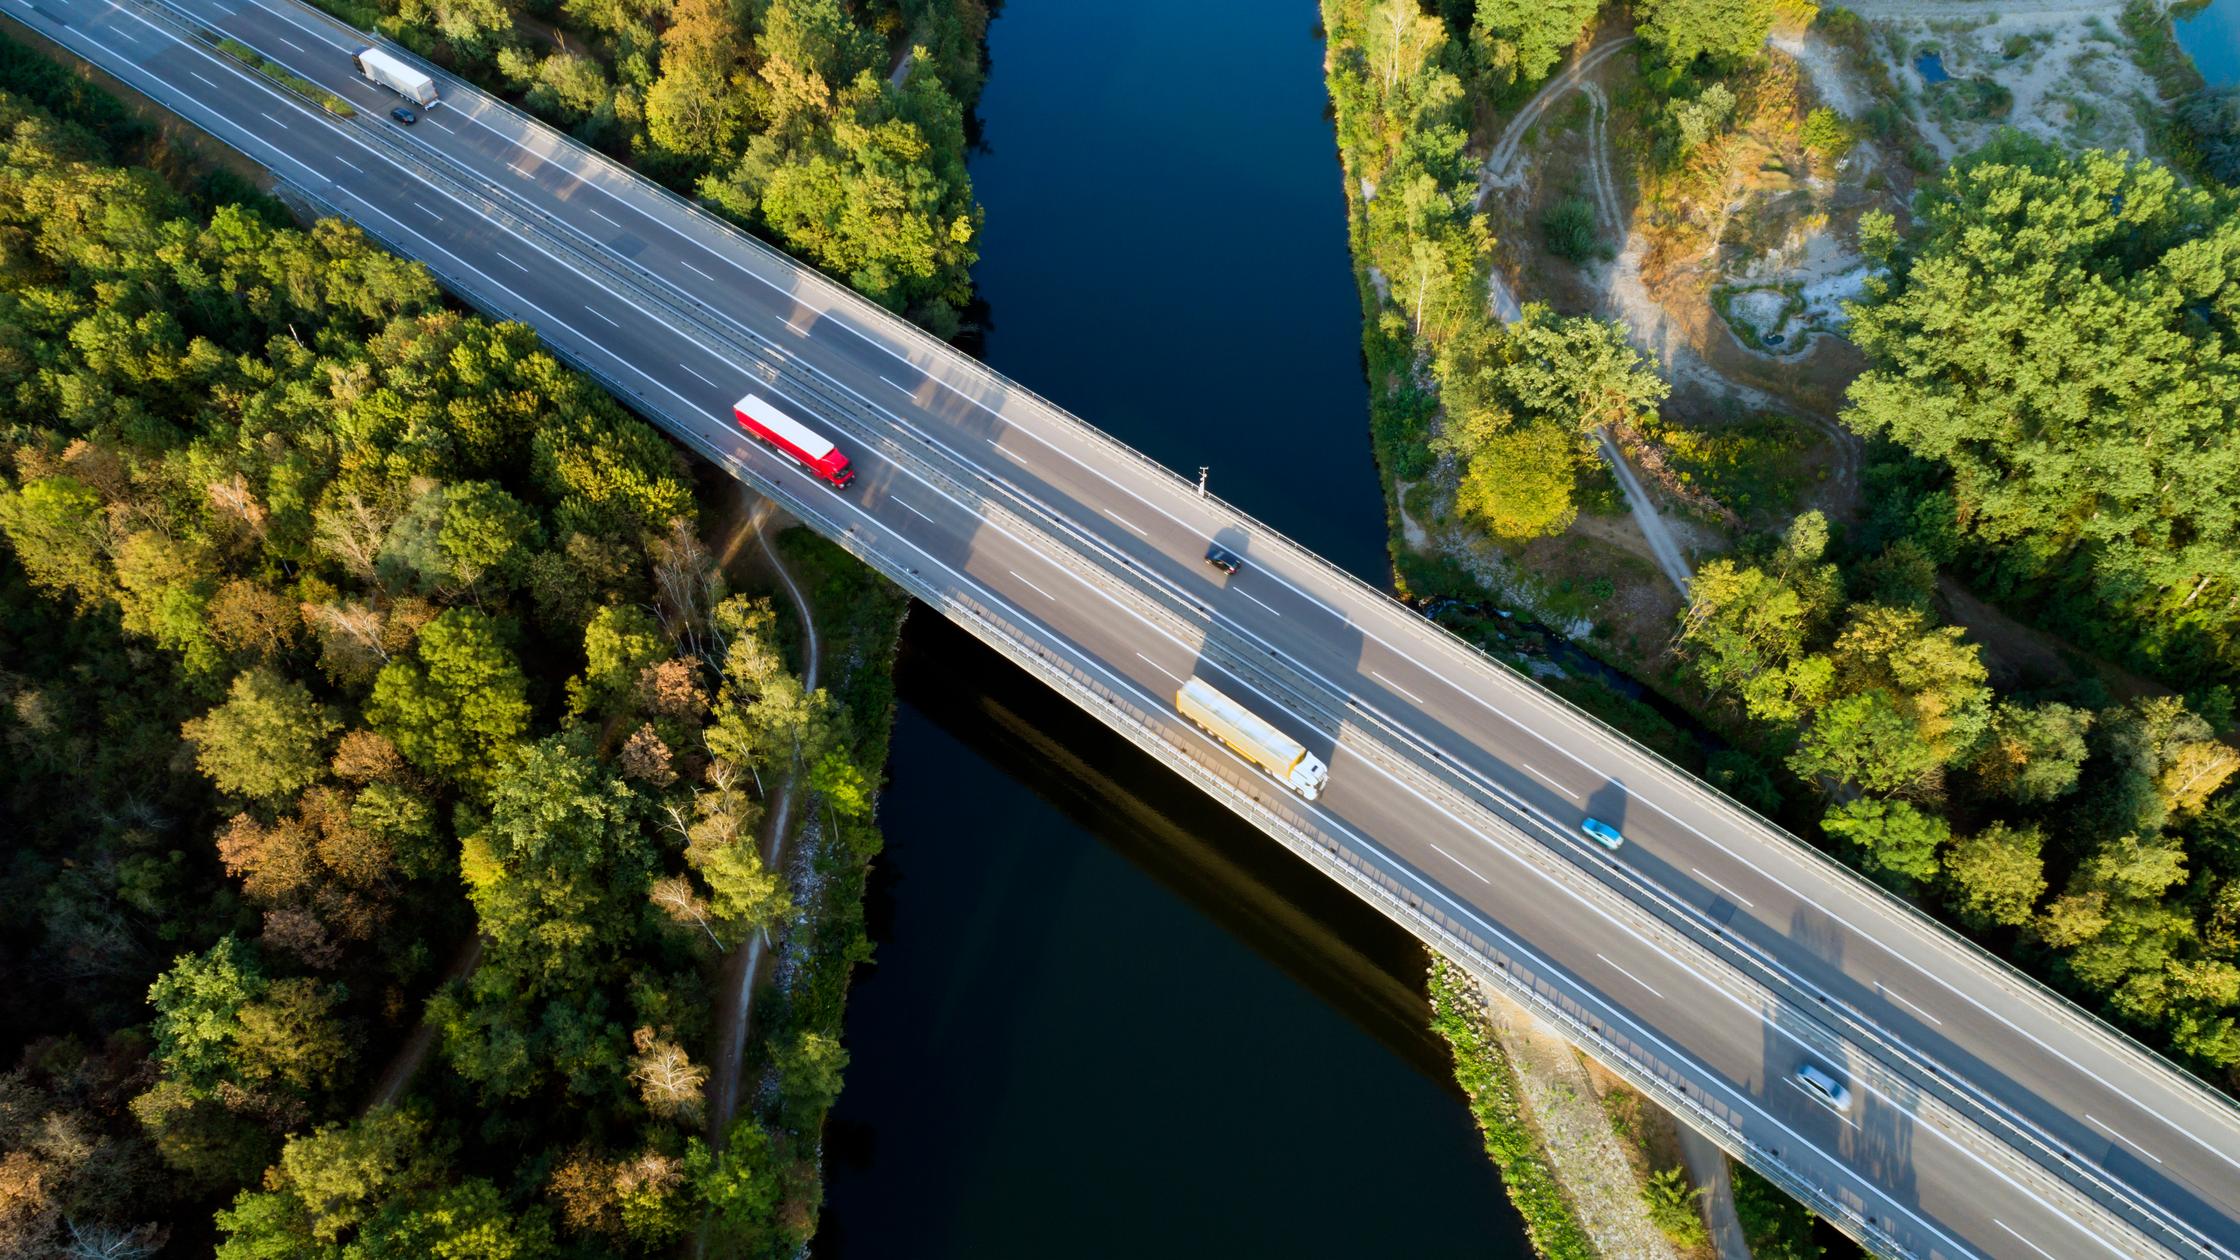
1108,1017
1354,959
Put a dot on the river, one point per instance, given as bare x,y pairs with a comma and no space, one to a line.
1106,1018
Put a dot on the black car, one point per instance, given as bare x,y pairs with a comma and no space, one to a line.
1222,558
403,115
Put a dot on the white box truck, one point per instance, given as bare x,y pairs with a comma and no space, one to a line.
395,75
1251,738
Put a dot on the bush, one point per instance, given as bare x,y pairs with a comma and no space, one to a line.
1672,1208
1484,1074
1828,134
1568,229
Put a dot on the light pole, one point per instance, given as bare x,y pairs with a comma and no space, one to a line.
1202,471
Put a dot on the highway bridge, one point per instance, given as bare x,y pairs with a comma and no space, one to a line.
1706,961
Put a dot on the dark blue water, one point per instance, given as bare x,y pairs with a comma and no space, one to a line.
1106,1018
1166,250
2212,38
1930,66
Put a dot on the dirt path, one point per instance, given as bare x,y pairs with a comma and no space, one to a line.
406,1063
1561,1102
1501,170
735,1000
1626,296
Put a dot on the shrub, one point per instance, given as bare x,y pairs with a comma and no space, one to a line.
1828,134
1568,229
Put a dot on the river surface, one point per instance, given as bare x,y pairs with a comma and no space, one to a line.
2212,38
1106,1018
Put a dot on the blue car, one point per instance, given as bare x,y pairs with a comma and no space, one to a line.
1603,833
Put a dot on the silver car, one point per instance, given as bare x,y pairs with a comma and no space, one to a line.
1825,1086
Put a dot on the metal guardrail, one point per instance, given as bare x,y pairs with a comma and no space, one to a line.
949,359
594,260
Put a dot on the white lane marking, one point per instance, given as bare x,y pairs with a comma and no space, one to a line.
1257,600
429,116
1389,683
608,218
907,508
1629,975
289,158
189,72
1495,674
1822,1102
314,32
1514,947
1125,521
270,119
518,169
696,271
1542,775
1157,666
1888,992
1721,887
2024,1241
603,319
1032,587
2121,1138
291,43
798,330
127,36
352,165
508,260
426,211
1459,862
1521,727
704,380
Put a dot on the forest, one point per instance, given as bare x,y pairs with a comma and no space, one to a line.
2049,403
836,129
357,652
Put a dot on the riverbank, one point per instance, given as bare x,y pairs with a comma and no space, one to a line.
1112,1017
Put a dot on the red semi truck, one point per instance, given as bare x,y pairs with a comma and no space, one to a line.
815,452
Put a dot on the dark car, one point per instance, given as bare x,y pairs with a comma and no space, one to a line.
403,115
1222,558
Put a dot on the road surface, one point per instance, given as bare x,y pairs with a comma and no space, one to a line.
1707,959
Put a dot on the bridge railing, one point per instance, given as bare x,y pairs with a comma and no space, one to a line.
702,219
493,301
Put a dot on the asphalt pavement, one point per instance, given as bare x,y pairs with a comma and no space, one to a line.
1709,957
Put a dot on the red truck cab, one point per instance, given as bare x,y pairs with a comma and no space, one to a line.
814,451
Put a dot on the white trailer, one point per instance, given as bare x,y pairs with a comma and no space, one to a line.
393,74
1252,738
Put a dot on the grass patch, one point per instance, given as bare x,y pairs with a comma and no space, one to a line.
295,83
1755,466
1568,230
1484,1073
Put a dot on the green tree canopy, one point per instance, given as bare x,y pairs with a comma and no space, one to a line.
1892,836
457,701
1996,876
198,1005
2061,340
1725,31
1520,41
267,742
